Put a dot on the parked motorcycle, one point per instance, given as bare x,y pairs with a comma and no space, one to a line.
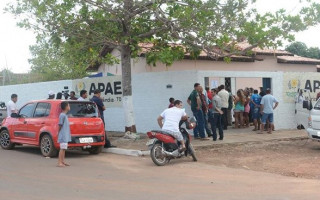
164,147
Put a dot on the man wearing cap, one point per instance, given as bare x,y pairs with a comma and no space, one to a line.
51,95
268,104
98,101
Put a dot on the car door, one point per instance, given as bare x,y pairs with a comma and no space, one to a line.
20,126
38,120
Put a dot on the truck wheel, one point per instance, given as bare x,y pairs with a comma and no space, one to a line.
5,140
95,149
47,147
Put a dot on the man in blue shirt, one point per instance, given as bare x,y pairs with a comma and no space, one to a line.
97,99
268,104
255,101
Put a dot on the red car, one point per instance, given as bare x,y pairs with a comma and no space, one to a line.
37,124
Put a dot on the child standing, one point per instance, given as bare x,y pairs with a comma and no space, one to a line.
64,133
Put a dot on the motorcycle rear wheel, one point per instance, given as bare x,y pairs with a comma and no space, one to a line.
157,156
193,153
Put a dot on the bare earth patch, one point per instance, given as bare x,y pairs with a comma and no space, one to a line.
297,158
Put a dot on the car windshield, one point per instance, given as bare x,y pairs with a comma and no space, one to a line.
82,109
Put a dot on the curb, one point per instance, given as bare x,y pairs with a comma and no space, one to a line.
209,146
126,152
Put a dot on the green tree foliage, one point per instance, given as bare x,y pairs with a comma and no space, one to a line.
80,32
301,49
298,48
73,33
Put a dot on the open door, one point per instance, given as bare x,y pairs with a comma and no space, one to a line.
303,99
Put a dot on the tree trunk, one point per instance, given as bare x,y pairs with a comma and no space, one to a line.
127,88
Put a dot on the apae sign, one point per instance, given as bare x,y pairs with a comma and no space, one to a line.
294,81
110,86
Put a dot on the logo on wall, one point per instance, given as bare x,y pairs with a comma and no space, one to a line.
80,86
292,81
294,84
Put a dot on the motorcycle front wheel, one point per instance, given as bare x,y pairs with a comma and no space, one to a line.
157,155
192,153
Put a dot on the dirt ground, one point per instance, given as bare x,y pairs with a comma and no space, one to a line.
297,158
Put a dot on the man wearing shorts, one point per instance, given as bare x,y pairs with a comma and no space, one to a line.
268,104
64,133
172,117
256,100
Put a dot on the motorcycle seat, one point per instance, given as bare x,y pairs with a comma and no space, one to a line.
162,132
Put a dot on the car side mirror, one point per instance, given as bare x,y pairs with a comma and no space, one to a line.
15,115
307,105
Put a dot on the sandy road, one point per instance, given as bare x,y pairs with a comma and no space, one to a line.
25,174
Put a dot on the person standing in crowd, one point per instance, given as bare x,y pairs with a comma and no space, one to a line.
12,106
73,96
239,102
262,92
210,114
268,104
208,95
207,89
255,100
246,108
230,107
195,103
204,107
59,95
171,100
216,122
98,101
224,95
299,97
51,95
83,95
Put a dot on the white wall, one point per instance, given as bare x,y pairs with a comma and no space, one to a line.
151,97
32,91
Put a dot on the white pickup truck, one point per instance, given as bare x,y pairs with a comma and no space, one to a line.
307,115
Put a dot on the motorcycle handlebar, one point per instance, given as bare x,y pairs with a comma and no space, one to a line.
190,124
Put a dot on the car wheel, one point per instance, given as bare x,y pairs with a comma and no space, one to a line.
95,149
5,140
47,147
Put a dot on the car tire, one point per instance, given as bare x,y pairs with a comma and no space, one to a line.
5,141
47,146
95,149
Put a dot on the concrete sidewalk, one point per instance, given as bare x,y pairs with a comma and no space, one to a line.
232,136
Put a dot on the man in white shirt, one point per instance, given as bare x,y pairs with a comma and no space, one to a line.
83,95
224,95
172,117
11,105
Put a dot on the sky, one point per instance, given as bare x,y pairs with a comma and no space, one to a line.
15,41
